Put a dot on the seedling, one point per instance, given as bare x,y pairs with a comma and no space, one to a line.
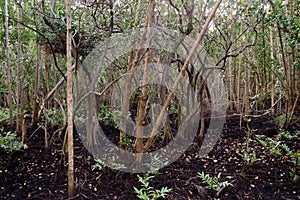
100,164
213,182
127,142
147,192
272,145
293,174
248,153
155,165
248,157
295,159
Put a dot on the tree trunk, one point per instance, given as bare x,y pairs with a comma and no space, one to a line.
137,15
239,72
70,103
272,73
287,80
133,61
20,74
230,85
9,99
36,85
144,96
264,73
246,90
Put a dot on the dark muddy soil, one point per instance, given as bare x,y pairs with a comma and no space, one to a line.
37,173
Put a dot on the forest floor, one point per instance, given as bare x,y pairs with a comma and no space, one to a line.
37,173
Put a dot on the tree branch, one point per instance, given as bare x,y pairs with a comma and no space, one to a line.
48,42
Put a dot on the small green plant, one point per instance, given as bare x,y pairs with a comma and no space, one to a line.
100,164
272,145
293,174
214,182
155,165
9,142
292,155
248,153
79,119
283,119
146,192
276,146
4,115
280,119
54,116
127,142
295,159
172,109
298,158
286,135
249,157
106,116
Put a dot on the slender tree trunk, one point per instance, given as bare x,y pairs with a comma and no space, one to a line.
230,88
7,49
287,71
133,61
239,72
53,5
264,73
35,92
297,77
144,97
272,71
293,69
47,61
20,74
70,103
287,80
256,83
137,15
246,89
37,84
202,107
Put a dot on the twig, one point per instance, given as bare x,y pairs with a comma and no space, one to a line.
102,92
